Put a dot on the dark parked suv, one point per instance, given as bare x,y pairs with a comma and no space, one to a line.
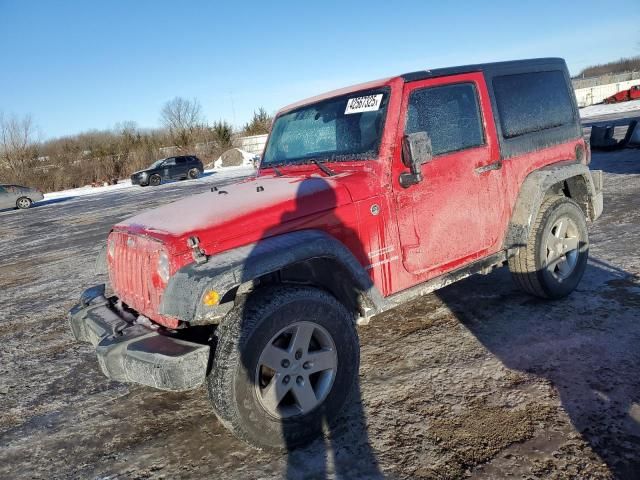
171,168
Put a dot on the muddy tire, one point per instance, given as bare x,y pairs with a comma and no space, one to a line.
155,180
285,363
555,257
193,174
23,203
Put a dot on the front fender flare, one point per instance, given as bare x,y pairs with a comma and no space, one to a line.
183,297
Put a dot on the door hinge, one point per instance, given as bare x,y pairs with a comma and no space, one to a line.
488,168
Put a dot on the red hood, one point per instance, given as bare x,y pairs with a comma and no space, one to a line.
255,209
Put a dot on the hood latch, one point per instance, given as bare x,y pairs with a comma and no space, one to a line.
196,252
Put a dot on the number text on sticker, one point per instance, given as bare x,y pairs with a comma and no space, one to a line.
368,103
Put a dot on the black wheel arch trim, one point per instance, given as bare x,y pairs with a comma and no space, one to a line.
584,186
308,252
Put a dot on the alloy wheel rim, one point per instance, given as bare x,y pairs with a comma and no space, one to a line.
296,370
23,203
563,242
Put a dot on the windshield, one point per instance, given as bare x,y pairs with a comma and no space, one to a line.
339,129
157,163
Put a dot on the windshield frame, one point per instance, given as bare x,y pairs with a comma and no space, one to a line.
372,154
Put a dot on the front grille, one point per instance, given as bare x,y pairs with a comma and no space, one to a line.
132,266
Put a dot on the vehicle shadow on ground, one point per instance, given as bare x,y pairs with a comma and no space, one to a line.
53,201
623,161
590,353
200,177
345,450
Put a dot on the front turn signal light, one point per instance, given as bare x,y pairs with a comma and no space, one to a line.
211,298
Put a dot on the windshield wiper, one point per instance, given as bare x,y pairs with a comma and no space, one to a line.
324,168
277,170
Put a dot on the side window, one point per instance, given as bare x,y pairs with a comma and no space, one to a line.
169,162
181,160
2,189
449,114
532,102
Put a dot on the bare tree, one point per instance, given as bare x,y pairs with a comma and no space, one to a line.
182,117
17,144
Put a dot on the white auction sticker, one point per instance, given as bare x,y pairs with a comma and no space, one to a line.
368,103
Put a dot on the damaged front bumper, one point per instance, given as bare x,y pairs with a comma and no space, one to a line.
130,352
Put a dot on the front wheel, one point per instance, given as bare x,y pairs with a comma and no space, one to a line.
285,363
554,259
23,203
155,180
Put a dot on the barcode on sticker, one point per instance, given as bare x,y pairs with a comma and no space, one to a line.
368,103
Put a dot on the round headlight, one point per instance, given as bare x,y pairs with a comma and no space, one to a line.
163,266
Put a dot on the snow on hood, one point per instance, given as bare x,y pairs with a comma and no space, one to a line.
255,205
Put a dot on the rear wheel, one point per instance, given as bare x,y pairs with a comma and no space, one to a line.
23,203
285,363
155,180
194,173
555,257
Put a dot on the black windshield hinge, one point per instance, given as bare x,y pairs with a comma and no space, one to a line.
196,252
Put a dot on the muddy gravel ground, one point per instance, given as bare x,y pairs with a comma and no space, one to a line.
477,380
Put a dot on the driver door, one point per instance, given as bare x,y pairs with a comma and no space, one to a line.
454,214
169,168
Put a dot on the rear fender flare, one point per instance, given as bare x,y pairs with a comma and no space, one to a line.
576,177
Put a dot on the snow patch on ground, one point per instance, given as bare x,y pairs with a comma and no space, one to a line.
607,109
87,190
126,184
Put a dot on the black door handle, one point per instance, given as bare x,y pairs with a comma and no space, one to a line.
487,168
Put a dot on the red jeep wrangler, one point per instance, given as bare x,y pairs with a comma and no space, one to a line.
365,198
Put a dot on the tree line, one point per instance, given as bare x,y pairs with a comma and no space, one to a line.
98,156
622,65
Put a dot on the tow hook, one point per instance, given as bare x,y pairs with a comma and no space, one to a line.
196,252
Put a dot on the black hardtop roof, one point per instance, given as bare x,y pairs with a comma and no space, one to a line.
494,68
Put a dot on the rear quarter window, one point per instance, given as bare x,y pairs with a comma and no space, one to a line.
532,102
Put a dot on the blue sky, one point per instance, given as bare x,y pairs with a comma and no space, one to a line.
76,66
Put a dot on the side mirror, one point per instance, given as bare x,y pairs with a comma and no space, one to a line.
416,151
